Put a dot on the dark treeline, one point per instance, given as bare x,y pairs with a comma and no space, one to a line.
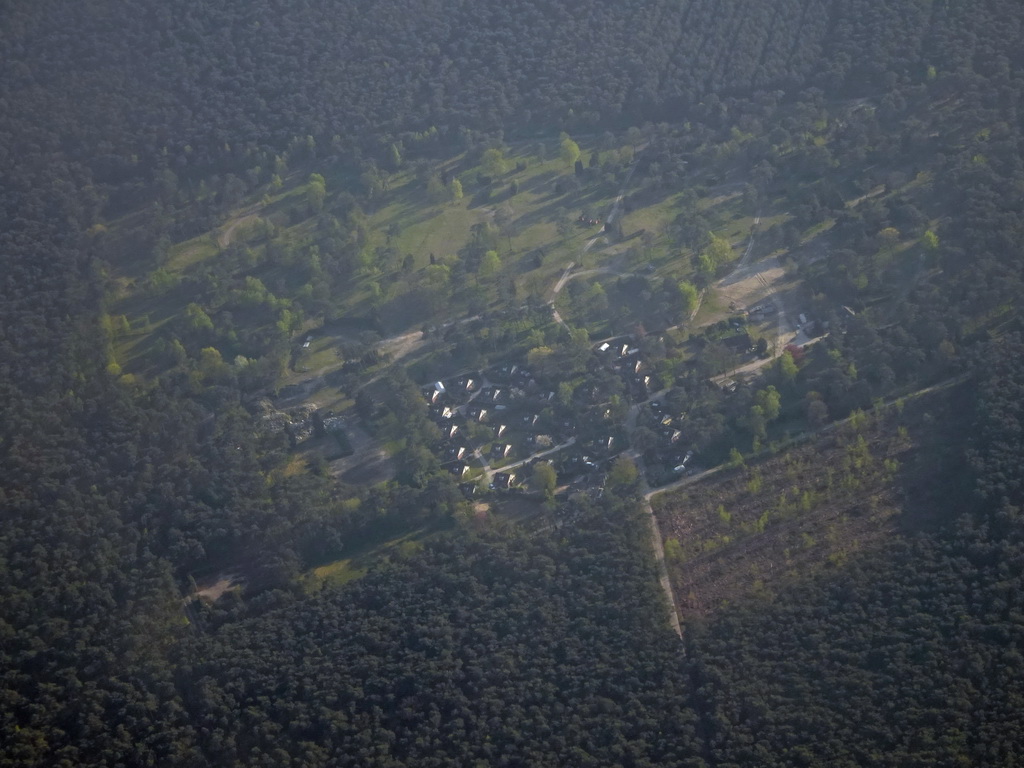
480,648
128,89
489,651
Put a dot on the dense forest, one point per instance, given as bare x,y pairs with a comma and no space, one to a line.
911,657
486,645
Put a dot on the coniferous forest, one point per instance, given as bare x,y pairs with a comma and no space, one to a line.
891,131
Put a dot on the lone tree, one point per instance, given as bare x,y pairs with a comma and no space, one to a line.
718,250
569,149
544,479
493,163
624,473
689,296
316,192
455,189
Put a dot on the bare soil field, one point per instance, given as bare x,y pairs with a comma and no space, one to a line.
218,586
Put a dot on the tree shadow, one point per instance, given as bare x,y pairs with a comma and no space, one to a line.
934,479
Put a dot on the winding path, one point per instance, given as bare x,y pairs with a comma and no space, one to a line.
568,274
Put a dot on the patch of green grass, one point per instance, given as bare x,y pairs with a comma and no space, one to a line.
710,307
653,218
394,447
322,353
183,256
442,230
339,572
817,229
709,203
357,563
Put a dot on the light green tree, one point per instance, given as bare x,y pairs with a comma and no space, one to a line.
719,250
689,294
316,192
735,458
455,189
544,479
288,322
211,364
623,473
197,319
787,367
493,162
490,263
254,293
770,401
162,281
706,266
569,150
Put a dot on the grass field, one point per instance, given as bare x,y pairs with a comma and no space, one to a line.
529,213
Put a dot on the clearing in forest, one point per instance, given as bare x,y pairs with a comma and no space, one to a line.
748,532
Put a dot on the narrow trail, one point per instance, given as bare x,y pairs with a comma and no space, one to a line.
659,556
227,234
567,275
658,546
750,244
492,471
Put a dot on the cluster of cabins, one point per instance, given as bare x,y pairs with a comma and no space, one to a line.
501,417
494,417
624,358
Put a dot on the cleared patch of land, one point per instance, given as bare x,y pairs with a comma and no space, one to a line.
745,533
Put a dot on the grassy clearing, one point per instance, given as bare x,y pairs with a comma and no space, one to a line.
532,210
322,353
358,563
816,230
442,230
183,256
654,219
710,308
339,572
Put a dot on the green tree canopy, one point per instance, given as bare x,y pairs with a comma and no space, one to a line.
493,163
455,189
623,474
490,263
316,192
569,150
544,479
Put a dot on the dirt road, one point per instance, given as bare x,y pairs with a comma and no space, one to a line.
568,275
666,582
491,472
227,234
659,548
